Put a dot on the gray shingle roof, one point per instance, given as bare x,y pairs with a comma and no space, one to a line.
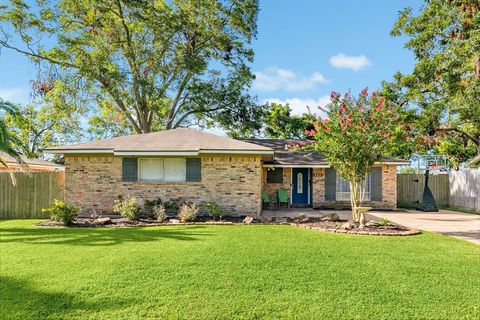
175,140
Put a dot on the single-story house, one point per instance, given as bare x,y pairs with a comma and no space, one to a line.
198,166
34,165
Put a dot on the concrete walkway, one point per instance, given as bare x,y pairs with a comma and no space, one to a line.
451,223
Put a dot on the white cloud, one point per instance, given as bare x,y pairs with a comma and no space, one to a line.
272,79
15,95
299,106
355,63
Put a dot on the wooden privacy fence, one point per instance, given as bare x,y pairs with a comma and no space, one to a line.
30,195
465,189
459,189
410,189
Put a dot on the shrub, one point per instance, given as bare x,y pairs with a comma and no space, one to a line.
149,206
213,209
187,212
173,204
128,209
384,222
159,212
62,212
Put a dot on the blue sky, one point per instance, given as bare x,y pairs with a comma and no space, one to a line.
304,50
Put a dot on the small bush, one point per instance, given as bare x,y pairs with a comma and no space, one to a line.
149,206
128,209
187,212
384,222
173,205
213,209
160,213
62,212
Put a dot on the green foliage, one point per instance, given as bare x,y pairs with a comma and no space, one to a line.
444,85
62,212
159,212
158,64
8,140
408,170
129,209
384,222
187,212
355,134
149,206
281,124
427,276
213,209
36,127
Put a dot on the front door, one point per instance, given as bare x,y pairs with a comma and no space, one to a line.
300,186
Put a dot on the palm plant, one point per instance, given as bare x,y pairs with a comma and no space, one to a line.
7,139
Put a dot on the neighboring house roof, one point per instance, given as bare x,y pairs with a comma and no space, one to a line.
287,157
475,162
32,163
180,141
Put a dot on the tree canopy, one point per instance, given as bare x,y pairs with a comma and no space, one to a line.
445,83
161,64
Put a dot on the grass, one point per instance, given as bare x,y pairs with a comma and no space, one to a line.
232,272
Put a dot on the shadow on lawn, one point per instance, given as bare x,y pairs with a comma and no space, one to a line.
98,237
19,300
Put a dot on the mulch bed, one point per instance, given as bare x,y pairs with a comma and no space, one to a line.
120,222
371,228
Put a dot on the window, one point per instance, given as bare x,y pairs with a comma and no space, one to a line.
343,189
275,175
299,183
167,169
151,169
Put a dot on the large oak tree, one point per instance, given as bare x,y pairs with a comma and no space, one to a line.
161,64
445,83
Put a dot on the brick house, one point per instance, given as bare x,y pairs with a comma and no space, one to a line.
197,166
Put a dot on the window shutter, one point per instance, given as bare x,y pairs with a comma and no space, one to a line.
330,184
376,184
194,169
129,169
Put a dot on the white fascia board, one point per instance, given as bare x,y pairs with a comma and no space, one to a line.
224,151
79,151
156,153
393,163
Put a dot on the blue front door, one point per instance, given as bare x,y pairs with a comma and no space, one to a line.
300,185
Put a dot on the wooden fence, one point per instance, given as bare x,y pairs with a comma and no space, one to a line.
410,189
30,195
457,189
465,189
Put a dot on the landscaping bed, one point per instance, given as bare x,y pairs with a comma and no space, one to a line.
332,223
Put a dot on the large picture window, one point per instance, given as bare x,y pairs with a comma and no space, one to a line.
343,189
169,169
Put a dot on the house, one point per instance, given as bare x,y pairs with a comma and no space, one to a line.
198,166
34,165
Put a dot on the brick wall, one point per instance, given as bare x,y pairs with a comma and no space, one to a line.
234,182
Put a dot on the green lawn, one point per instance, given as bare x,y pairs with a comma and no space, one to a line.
233,272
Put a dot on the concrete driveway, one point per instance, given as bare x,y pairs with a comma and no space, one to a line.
451,223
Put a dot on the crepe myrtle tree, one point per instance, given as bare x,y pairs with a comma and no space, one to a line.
353,135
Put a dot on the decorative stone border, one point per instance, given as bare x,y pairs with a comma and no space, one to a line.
409,232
